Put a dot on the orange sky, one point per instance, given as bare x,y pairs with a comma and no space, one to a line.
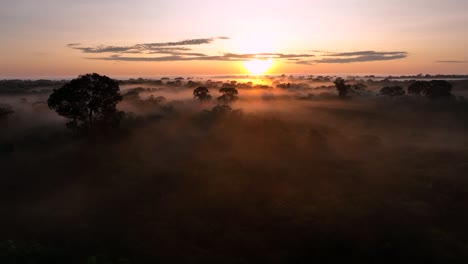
175,37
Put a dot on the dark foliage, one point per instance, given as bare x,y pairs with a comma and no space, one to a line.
202,93
88,101
221,109
303,181
417,87
438,89
5,110
229,94
431,89
392,91
342,87
12,87
345,89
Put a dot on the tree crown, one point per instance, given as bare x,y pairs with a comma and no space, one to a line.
87,100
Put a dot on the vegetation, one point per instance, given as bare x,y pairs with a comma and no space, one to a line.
392,91
88,101
12,87
438,89
229,94
5,110
281,175
432,89
202,93
345,89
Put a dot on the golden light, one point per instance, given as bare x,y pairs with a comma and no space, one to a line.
258,66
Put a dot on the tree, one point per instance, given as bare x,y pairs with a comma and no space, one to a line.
221,109
229,94
202,93
344,89
417,87
5,110
157,100
433,89
88,101
392,91
438,89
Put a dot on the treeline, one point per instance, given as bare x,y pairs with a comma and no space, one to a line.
29,86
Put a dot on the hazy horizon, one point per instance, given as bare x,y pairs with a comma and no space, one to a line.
227,75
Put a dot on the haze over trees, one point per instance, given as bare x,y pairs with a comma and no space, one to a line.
283,174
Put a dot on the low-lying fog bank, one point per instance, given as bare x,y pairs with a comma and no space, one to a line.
292,174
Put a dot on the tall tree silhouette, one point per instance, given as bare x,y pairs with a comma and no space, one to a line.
344,89
87,101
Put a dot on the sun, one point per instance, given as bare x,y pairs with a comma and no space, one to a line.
258,66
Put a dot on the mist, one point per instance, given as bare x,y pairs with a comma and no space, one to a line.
292,174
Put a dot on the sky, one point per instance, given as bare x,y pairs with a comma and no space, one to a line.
54,38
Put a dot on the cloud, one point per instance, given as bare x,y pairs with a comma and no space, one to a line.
184,51
157,47
205,57
365,53
175,51
106,49
199,41
305,62
362,56
268,55
452,61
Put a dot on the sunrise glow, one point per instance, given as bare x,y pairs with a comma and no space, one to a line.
122,38
258,66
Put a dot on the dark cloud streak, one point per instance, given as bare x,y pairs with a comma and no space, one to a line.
181,51
145,47
452,61
365,53
362,56
181,57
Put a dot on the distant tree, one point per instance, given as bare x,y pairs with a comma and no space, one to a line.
438,89
344,89
192,84
433,89
359,86
417,87
392,91
88,101
202,93
229,94
5,110
157,100
221,109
